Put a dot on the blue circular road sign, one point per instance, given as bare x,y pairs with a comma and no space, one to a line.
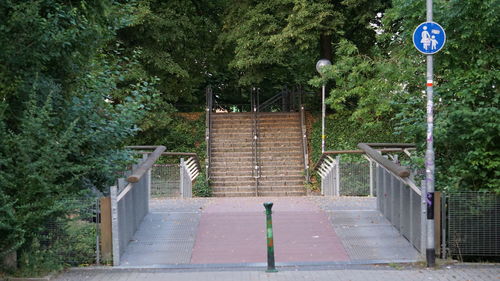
429,38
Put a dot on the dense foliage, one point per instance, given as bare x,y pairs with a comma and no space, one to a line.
61,130
389,83
278,42
80,79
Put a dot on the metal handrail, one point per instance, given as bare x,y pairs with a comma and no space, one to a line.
193,162
208,132
270,101
304,143
396,169
147,164
393,145
243,107
255,138
337,152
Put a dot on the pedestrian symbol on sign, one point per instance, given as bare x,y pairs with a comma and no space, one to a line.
429,38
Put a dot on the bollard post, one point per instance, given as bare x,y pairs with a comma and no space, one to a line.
270,241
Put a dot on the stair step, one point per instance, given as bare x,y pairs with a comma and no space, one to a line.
262,144
287,183
248,136
281,193
261,193
233,194
263,188
218,172
261,149
279,147
234,189
232,178
232,154
249,177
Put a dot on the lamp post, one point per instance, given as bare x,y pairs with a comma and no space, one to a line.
319,67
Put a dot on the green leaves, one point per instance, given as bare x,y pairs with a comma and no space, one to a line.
63,117
388,83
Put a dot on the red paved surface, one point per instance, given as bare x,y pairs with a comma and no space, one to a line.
232,230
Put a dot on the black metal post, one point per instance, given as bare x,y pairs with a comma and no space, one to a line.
270,240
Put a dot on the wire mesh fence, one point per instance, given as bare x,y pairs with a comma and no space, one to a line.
73,239
354,178
474,224
347,178
165,180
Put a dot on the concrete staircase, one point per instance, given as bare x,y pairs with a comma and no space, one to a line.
279,150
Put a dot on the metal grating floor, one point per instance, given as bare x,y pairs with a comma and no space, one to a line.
365,233
163,238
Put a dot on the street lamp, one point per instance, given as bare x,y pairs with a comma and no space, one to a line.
319,67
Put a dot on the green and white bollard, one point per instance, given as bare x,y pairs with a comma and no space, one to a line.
270,241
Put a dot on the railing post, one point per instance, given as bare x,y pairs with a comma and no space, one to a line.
392,199
337,176
372,176
423,219
380,188
208,126
332,181
304,143
412,218
181,176
255,138
148,183
323,186
113,190
444,224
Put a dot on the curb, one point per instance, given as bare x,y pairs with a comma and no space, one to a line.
45,278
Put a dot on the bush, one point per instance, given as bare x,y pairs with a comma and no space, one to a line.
201,186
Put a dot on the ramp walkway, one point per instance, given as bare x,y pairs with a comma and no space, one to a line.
185,233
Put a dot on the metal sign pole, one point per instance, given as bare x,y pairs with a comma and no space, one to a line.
323,113
429,154
319,67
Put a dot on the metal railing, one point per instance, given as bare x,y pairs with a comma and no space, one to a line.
188,170
328,169
130,197
255,138
75,238
208,131
305,152
285,101
473,228
232,107
130,202
399,199
343,178
165,180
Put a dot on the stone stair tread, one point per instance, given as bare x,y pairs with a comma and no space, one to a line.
279,146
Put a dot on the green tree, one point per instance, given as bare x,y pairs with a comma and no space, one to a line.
389,81
61,129
177,40
278,42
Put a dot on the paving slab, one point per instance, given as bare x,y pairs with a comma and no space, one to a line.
233,231
459,272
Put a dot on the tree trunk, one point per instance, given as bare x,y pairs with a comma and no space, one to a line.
326,47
